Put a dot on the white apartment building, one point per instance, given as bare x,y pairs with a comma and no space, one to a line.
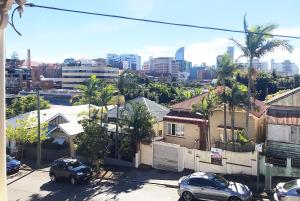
162,66
75,75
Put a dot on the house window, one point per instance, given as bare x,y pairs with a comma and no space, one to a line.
295,134
175,129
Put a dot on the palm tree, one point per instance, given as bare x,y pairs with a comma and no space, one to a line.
89,92
237,99
204,108
105,97
258,42
225,72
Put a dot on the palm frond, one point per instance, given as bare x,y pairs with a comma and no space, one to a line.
241,46
270,45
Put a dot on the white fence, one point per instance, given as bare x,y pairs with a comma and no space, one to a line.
169,156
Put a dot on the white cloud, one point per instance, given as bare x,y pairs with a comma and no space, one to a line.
207,52
294,31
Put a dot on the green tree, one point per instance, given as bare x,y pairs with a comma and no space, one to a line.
25,131
258,42
297,80
89,92
138,126
94,142
25,104
225,73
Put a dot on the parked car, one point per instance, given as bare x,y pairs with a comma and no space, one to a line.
12,165
289,191
70,169
209,186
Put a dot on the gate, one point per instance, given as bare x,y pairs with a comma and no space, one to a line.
166,156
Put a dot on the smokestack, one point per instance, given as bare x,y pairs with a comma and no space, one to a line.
28,59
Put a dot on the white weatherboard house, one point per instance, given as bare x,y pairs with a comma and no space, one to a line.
283,133
62,123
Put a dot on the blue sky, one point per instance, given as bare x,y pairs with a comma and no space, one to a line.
53,35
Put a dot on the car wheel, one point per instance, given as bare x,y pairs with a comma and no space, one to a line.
234,199
52,177
187,196
73,180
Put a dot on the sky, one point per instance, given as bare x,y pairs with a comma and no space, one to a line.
53,36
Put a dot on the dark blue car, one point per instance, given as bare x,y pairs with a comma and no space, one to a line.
12,165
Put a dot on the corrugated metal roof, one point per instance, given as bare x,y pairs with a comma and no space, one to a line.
283,95
187,105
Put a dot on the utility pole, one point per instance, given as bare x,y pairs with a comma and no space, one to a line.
38,129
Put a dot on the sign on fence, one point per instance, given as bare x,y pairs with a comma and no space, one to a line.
216,156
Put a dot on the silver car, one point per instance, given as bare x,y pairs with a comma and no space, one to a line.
289,191
209,186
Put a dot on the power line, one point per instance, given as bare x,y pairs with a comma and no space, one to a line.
158,22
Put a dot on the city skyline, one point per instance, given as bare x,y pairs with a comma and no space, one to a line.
54,43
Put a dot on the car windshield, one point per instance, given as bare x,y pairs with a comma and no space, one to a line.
73,164
8,158
221,181
289,185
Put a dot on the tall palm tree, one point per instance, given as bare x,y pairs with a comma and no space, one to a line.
225,72
258,42
237,99
89,92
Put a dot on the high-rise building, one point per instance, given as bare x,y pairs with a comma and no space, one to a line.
184,65
218,60
179,55
162,66
124,61
79,73
230,52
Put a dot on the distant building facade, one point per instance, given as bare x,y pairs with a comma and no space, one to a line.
124,61
162,66
202,72
79,73
286,68
230,52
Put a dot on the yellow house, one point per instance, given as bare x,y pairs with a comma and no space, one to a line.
185,128
256,123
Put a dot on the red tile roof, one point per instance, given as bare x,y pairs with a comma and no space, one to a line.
187,105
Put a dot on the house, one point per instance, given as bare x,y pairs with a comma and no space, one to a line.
256,130
63,123
156,110
283,133
184,127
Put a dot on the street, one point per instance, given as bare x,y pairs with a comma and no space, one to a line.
37,186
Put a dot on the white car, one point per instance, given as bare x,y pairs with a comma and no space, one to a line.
289,191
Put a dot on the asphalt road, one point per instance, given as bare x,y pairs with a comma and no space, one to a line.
36,186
